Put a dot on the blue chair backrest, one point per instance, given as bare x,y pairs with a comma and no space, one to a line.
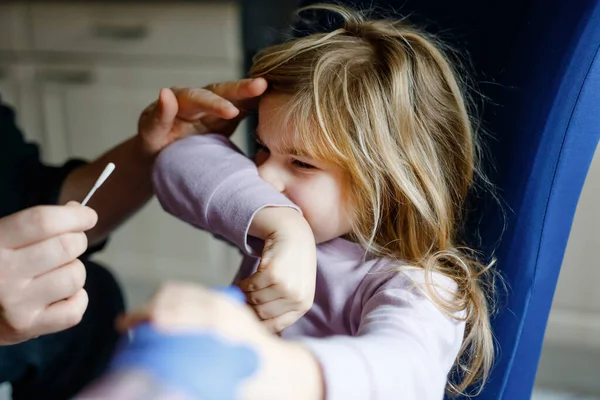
547,131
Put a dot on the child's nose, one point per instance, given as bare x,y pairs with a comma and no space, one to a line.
272,174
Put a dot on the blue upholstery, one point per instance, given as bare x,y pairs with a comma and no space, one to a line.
547,132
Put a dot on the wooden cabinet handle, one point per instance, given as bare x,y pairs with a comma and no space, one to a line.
120,32
77,77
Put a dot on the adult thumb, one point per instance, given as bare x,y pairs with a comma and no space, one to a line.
163,115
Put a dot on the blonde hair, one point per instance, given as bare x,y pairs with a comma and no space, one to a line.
381,100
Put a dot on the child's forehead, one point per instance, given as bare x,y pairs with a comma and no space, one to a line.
282,141
275,109
274,102
282,128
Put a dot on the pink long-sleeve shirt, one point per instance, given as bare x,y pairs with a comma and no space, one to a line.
375,334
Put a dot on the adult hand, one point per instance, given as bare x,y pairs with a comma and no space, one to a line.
41,279
180,112
287,370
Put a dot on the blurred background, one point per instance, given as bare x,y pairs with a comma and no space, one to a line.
78,74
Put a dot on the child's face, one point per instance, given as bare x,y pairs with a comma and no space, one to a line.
314,186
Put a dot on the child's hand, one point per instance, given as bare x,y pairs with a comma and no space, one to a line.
283,288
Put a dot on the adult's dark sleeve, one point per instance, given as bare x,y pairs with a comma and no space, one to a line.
24,180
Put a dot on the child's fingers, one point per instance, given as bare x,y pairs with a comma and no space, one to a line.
260,280
273,308
278,324
264,295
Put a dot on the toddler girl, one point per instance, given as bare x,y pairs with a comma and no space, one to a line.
366,148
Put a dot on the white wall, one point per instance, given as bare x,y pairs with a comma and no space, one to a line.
571,355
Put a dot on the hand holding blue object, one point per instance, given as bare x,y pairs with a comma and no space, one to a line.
189,364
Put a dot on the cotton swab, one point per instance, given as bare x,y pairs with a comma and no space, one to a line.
103,176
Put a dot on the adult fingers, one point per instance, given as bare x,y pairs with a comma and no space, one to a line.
241,90
41,257
196,103
63,314
158,118
58,284
42,222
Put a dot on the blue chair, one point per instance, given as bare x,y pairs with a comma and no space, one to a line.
547,131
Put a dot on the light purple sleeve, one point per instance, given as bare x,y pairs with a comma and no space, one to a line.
404,348
209,183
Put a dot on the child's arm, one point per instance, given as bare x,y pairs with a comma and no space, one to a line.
404,346
207,182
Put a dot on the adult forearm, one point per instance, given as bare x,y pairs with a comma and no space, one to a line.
289,371
127,189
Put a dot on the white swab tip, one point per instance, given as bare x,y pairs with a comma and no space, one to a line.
105,174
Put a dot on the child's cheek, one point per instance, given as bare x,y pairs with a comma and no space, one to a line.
316,200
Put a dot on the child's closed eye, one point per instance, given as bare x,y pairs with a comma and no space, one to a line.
303,165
